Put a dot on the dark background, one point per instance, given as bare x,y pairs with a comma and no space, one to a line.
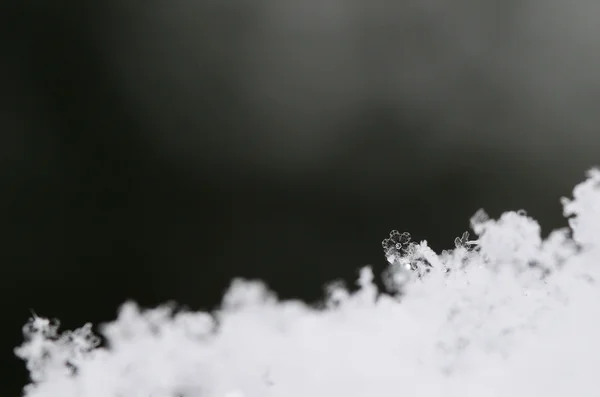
155,152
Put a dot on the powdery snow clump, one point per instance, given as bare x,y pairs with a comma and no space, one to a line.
504,314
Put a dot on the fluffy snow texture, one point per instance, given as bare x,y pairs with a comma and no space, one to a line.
507,314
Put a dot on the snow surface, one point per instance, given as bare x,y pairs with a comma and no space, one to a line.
504,314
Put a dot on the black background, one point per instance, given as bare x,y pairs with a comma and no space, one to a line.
96,207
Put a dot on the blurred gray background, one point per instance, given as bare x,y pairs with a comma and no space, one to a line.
153,151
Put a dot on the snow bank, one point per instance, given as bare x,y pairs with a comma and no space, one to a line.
507,313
